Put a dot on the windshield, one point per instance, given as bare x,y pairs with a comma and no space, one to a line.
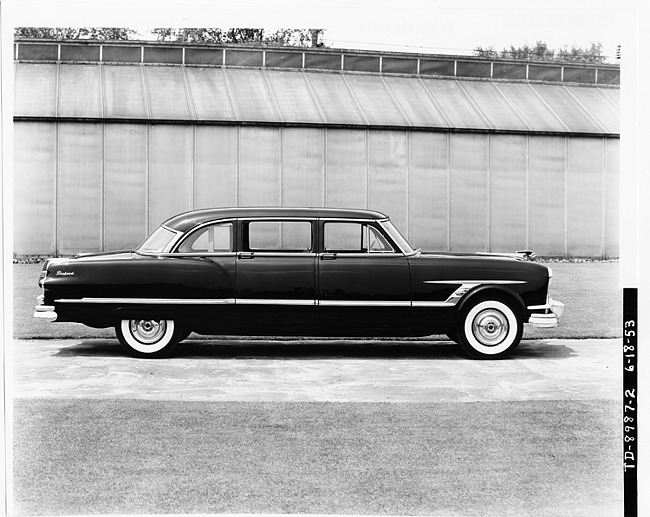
158,241
397,237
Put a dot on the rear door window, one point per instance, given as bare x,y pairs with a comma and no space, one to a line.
278,236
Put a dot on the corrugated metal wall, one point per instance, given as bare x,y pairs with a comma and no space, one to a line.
463,154
90,186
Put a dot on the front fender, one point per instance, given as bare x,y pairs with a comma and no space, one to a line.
496,292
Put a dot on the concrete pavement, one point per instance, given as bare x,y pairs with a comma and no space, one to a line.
317,370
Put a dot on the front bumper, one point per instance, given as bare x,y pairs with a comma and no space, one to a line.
549,318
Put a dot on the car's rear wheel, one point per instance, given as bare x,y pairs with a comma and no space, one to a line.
489,329
148,338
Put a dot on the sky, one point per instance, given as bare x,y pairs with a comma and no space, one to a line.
407,26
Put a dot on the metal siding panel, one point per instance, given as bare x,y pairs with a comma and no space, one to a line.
170,165
469,160
415,103
125,185
293,97
167,93
494,106
216,167
302,167
388,175
429,189
533,110
598,107
346,169
123,90
507,193
375,100
80,188
34,179
585,207
334,98
252,96
565,107
209,91
35,89
80,91
454,103
612,208
259,168
546,165
613,94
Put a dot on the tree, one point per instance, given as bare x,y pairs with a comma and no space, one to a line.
61,33
541,52
243,36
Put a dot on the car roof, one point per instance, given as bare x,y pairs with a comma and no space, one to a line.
185,221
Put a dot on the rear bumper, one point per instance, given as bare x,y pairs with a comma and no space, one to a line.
44,312
550,317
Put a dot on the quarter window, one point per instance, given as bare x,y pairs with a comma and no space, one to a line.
283,236
355,238
214,238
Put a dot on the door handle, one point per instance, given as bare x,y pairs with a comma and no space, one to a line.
328,256
246,255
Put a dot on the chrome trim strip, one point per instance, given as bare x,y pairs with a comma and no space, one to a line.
364,303
276,253
435,304
173,254
153,301
449,302
475,282
264,301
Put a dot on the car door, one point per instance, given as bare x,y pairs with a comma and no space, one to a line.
206,258
363,278
276,275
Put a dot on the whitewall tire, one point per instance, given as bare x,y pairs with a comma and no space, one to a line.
148,338
489,329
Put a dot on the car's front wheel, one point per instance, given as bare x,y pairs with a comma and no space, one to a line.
489,329
148,338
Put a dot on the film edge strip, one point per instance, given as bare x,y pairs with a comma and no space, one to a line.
630,401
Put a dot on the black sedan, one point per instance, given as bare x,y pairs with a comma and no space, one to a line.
296,272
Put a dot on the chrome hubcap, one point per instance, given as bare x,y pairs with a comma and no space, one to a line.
490,327
148,331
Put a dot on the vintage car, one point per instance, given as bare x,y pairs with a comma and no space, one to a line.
296,272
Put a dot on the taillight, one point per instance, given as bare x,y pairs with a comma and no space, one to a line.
42,276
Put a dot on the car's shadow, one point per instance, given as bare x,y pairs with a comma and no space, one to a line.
318,349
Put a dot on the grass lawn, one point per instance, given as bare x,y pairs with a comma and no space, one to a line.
590,292
501,458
